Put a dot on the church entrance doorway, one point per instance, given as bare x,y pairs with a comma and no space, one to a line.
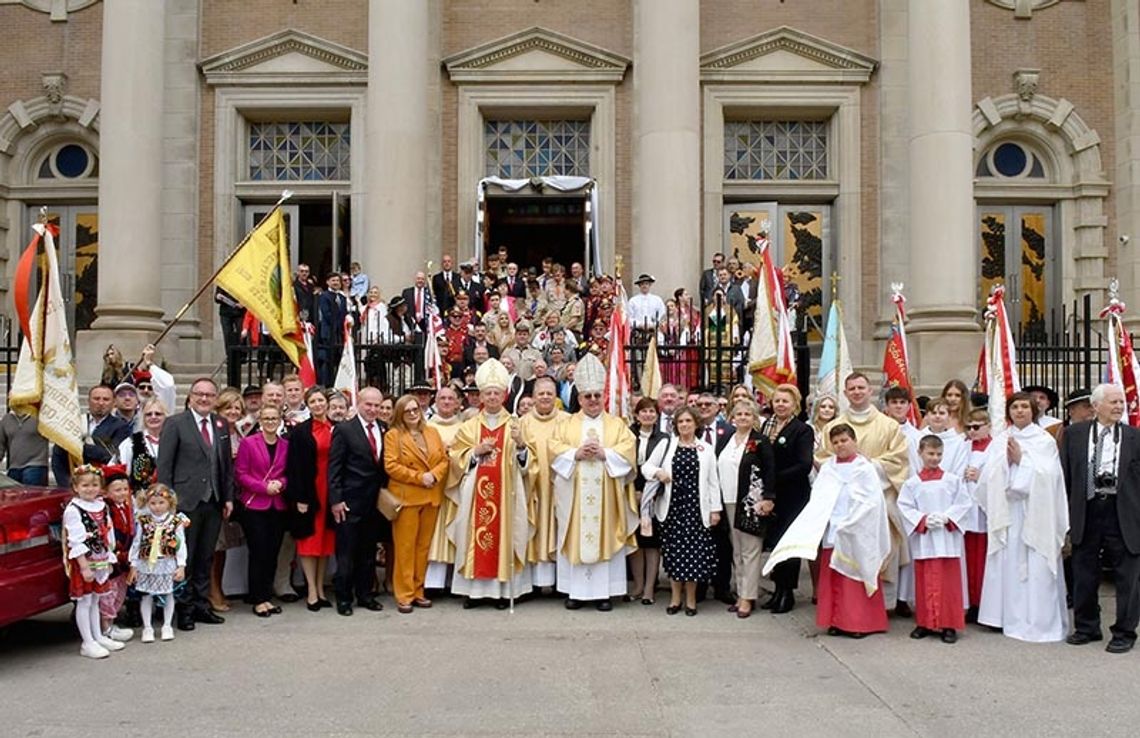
533,228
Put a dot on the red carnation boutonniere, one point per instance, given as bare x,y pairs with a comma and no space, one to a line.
750,448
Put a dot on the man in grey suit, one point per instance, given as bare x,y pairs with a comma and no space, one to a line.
195,460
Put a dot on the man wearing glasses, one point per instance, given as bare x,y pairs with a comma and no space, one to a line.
708,277
195,460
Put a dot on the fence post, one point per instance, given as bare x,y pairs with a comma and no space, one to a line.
803,365
1088,340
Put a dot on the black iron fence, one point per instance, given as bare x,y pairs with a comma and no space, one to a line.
1067,351
10,339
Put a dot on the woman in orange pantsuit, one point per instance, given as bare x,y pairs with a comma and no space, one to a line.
416,462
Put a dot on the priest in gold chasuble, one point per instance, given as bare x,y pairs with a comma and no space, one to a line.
441,555
593,456
490,530
538,427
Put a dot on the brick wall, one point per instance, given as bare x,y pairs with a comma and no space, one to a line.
34,45
230,23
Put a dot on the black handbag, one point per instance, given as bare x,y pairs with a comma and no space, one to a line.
747,519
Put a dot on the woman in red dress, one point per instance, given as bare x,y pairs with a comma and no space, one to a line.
308,493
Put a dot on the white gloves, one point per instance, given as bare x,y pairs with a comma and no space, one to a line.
934,521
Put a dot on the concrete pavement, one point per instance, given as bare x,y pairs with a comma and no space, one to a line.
546,671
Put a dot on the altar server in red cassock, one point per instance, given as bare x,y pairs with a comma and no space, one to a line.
933,504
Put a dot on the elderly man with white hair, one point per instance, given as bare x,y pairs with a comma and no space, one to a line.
1098,459
593,455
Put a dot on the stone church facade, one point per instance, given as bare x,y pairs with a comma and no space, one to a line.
945,145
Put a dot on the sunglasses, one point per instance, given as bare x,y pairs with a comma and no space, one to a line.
975,426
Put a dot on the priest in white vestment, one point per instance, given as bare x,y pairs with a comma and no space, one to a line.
593,455
1022,492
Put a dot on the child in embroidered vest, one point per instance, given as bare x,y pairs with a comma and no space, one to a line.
89,555
120,507
158,557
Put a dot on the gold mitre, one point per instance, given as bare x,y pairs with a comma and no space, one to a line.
492,375
590,375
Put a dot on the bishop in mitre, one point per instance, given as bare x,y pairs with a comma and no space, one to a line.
593,455
490,530
538,427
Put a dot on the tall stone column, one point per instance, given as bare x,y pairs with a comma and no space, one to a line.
666,142
398,140
942,289
129,310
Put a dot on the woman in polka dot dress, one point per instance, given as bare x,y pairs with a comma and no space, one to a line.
687,504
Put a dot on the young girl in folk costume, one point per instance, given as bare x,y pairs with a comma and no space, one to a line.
120,507
89,556
158,556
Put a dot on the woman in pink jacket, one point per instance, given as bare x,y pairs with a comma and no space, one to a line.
260,476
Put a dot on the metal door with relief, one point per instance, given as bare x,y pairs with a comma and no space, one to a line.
1015,244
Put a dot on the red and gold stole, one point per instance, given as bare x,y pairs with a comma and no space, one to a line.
489,504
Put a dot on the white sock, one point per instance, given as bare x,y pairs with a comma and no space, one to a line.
83,608
168,611
147,609
94,618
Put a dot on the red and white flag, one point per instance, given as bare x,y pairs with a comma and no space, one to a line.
617,369
896,360
771,358
305,368
433,361
346,380
1123,368
1000,359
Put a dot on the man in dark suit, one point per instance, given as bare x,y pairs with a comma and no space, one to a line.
478,339
105,431
516,285
418,300
468,284
708,277
195,460
445,284
712,430
356,474
332,307
1100,459
303,293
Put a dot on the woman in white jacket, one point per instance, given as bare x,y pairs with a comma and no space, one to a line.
682,478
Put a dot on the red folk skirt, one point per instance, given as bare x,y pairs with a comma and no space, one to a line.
938,594
78,588
844,604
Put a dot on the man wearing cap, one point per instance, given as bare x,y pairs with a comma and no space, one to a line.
127,405
491,530
646,309
1078,405
523,353
469,284
593,455
423,393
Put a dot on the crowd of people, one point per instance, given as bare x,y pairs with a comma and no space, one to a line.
519,485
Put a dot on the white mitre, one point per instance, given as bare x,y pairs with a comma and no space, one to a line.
590,375
491,374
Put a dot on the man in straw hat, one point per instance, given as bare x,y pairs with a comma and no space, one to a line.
491,530
596,506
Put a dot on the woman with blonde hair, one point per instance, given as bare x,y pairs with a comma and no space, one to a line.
826,408
416,462
231,408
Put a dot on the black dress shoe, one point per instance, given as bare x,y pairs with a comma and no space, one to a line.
373,605
690,611
324,603
769,603
903,610
785,604
344,608
313,606
919,632
605,606
261,613
185,621
949,635
672,609
289,597
501,604
208,616
1119,645
971,615
470,604
573,604
1077,638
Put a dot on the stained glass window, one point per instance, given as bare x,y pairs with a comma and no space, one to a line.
299,151
518,149
775,149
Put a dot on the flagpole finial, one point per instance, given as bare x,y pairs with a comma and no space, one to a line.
43,214
285,195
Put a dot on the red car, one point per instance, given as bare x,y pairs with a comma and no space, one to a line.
31,559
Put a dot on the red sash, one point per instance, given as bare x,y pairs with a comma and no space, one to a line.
488,504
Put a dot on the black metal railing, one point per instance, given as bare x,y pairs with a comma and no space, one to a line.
393,367
10,338
1067,351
